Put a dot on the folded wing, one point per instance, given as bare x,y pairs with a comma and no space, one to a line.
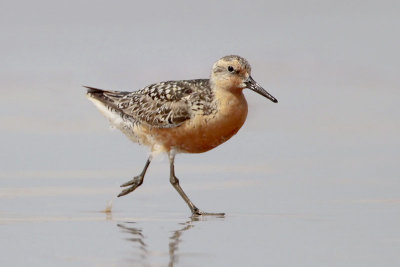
161,105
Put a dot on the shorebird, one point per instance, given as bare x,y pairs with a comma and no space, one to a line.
187,116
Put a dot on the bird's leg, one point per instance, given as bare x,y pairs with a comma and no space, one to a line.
175,183
136,181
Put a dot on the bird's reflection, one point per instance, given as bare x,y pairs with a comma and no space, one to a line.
137,237
175,239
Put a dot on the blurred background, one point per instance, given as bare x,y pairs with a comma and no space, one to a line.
329,149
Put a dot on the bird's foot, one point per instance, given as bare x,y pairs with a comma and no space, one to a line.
133,184
197,212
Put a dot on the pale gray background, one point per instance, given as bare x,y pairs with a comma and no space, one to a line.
310,181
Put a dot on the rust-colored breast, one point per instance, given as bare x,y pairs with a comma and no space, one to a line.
204,132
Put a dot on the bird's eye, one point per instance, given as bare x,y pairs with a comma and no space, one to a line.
230,69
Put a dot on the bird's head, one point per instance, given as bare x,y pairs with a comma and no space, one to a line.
233,73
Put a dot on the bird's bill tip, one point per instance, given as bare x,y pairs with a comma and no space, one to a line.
254,86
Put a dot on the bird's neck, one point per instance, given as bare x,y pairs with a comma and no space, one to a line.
231,103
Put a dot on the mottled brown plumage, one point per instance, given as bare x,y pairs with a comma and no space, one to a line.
161,105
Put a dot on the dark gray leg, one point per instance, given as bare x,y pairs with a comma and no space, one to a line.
136,181
175,183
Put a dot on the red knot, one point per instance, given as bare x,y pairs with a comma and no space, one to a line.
188,116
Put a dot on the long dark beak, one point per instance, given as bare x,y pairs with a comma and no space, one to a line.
253,85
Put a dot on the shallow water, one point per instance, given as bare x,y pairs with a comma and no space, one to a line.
61,220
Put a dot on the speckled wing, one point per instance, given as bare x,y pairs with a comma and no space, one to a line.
161,105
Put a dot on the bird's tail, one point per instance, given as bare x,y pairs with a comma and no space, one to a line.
107,102
108,97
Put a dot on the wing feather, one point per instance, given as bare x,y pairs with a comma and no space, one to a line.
160,105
